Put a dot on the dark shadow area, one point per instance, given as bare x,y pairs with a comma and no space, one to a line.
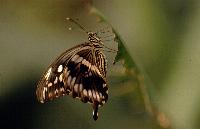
21,110
16,108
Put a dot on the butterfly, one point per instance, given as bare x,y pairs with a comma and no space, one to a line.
79,72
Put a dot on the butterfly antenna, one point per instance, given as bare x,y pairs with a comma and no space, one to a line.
109,48
75,22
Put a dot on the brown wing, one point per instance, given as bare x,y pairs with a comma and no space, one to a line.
87,74
51,84
101,62
80,71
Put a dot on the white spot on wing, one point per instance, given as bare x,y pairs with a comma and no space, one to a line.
98,98
50,84
79,60
75,58
61,77
73,81
90,93
100,95
67,73
44,91
88,64
80,87
56,80
94,68
56,91
104,85
48,74
83,62
76,88
94,94
85,92
69,80
62,89
60,68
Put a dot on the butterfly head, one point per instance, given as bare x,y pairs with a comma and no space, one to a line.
93,37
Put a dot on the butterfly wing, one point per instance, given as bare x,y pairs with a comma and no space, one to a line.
81,72
88,74
51,84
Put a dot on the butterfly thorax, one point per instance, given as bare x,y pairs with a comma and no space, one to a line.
95,40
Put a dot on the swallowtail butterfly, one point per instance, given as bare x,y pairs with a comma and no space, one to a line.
79,72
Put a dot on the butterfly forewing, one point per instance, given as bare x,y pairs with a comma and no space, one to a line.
51,82
81,72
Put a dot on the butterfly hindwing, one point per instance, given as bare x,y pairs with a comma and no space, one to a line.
84,73
87,74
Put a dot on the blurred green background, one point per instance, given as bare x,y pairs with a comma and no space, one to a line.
161,35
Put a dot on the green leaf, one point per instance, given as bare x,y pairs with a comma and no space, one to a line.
122,53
